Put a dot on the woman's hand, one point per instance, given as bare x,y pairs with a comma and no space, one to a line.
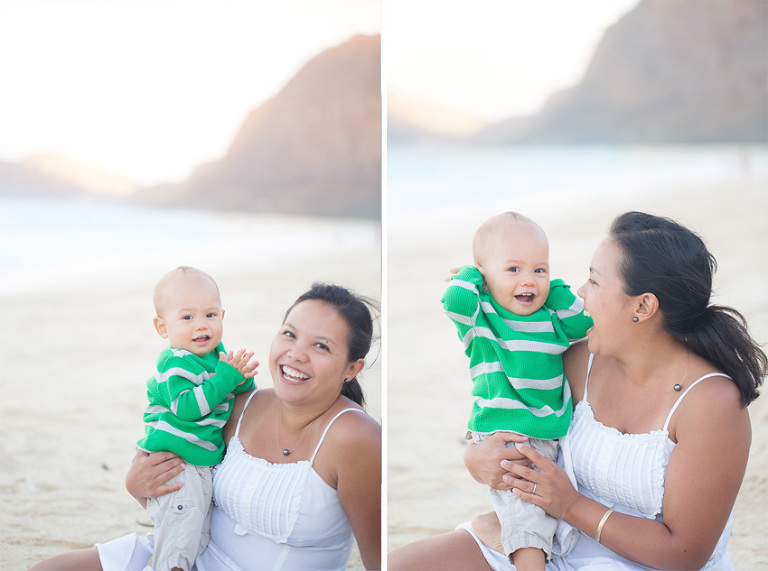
241,362
547,486
149,474
485,461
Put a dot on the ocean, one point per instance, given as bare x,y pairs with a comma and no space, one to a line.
68,243
431,180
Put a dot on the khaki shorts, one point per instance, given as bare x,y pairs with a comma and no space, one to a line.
182,520
523,524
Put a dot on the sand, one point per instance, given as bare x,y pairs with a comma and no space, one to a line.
75,361
429,490
72,386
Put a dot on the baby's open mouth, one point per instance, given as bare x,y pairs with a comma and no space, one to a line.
525,297
202,339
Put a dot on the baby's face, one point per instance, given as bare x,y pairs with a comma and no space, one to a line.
514,261
192,318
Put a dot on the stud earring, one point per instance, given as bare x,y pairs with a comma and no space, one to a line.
635,319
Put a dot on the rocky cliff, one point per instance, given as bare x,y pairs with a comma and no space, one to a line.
667,72
314,148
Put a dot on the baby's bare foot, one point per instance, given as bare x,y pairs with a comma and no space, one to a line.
488,529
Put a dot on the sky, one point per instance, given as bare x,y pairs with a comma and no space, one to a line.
149,89
492,59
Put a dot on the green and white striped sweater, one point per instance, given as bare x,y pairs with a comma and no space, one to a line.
516,361
190,400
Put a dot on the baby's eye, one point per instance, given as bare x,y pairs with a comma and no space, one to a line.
513,269
187,317
540,270
211,315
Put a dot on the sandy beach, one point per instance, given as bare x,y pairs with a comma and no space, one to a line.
76,360
429,490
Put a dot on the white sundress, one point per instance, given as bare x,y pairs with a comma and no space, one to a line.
276,517
625,472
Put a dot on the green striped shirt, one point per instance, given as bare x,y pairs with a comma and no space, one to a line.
190,400
516,361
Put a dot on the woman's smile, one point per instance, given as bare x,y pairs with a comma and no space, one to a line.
293,375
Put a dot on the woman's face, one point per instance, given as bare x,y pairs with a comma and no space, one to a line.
308,358
605,300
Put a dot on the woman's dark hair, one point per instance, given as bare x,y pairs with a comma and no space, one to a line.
670,261
355,311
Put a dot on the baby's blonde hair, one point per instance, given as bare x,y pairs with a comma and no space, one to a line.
163,285
488,228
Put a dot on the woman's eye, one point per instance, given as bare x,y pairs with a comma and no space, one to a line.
322,346
288,333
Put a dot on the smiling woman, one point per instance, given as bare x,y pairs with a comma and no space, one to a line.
294,511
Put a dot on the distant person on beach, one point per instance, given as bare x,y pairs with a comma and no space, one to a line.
300,481
660,436
190,399
515,325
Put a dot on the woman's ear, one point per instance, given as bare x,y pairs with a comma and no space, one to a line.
647,305
354,368
162,330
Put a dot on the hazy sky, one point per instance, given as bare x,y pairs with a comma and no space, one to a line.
491,58
150,88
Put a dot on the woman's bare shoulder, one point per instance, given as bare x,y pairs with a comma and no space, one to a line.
355,430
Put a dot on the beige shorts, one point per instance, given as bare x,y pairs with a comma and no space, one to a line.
523,524
182,520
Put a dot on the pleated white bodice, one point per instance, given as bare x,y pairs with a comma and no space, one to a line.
277,516
619,469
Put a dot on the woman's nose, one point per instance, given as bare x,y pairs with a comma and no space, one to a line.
297,353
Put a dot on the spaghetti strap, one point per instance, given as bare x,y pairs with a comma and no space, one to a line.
311,460
586,381
242,412
680,398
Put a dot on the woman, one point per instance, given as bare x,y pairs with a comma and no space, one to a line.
301,477
660,436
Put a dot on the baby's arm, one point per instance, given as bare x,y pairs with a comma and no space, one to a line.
190,392
462,296
569,309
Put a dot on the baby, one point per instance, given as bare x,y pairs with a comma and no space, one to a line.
190,399
515,324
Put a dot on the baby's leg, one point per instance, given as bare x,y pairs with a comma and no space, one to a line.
529,559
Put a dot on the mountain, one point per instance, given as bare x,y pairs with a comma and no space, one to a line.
667,72
313,149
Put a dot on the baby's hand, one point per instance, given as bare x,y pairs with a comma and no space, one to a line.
241,362
452,272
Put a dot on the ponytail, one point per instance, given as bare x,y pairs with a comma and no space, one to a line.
353,391
721,336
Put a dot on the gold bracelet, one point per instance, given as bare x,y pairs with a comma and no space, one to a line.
600,525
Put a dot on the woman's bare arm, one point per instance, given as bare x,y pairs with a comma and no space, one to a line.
357,454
